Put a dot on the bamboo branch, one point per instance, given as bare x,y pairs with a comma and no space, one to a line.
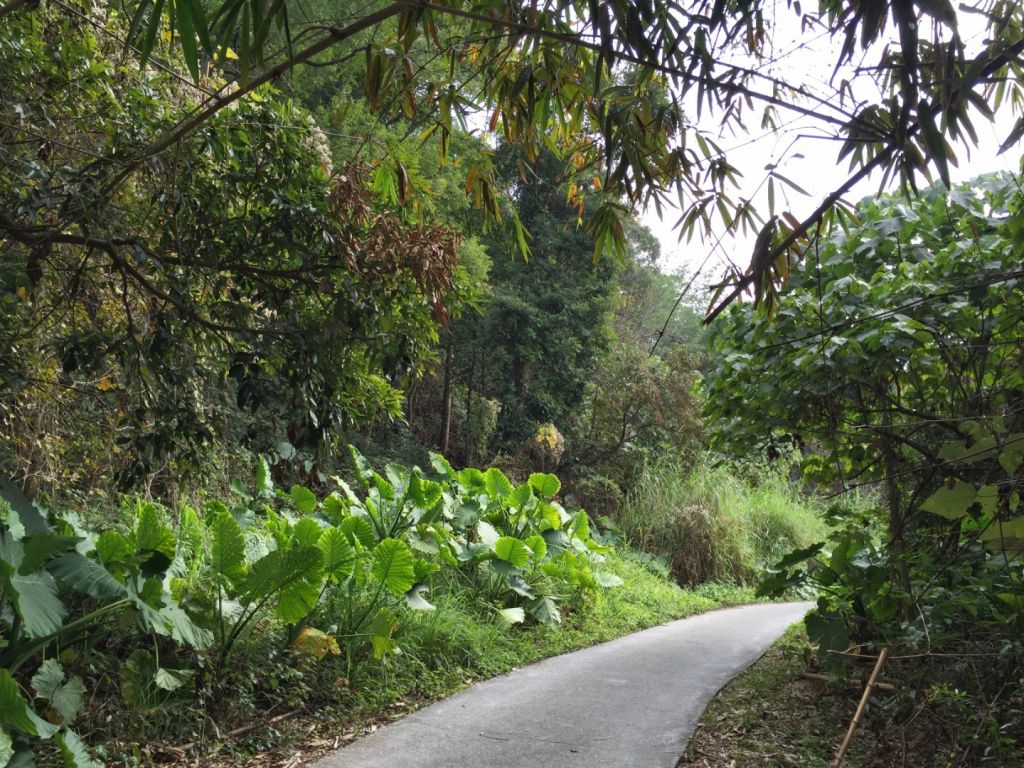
860,709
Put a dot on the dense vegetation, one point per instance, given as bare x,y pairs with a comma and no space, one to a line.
895,363
237,241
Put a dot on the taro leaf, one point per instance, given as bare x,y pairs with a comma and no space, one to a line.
496,484
35,596
545,485
381,630
339,554
552,515
6,747
537,546
472,480
171,680
154,540
467,515
298,599
520,587
137,675
581,525
545,610
393,566
66,697
512,615
441,466
303,499
227,548
425,493
607,579
264,482
73,751
279,568
39,548
240,490
521,496
14,711
335,506
30,518
307,532
830,634
358,530
512,551
86,577
423,568
951,503
312,644
415,600
159,613
486,533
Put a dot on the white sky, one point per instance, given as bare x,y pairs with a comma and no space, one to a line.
811,163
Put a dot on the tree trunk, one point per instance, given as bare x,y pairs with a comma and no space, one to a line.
444,438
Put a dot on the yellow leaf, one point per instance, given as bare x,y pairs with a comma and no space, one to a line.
104,385
312,644
22,292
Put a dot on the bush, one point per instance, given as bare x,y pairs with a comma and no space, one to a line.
711,524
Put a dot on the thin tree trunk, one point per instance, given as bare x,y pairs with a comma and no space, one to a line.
446,397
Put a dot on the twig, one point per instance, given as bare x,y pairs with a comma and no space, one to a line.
825,678
860,709
239,731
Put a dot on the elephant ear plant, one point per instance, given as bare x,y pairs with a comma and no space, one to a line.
60,583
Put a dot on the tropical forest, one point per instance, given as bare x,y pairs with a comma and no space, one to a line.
647,375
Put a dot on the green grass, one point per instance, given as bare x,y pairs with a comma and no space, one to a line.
771,717
447,649
711,524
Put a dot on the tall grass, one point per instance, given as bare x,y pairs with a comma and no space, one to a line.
710,523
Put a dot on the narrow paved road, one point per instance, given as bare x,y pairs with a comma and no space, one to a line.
631,702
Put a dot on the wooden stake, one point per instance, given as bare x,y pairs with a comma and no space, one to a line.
860,709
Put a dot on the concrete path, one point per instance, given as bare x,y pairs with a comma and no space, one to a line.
630,702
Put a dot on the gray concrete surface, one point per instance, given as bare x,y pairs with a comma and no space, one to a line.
630,702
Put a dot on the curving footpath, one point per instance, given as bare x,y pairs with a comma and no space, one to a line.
630,702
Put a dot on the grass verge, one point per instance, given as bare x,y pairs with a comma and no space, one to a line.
772,717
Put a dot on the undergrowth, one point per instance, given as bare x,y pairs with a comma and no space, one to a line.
714,523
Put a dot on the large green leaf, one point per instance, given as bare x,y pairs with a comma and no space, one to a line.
281,568
65,696
424,493
496,484
381,629
393,566
35,596
39,548
512,551
339,554
154,540
303,499
545,485
358,530
73,751
951,503
545,610
14,711
227,547
297,599
307,532
6,747
86,576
